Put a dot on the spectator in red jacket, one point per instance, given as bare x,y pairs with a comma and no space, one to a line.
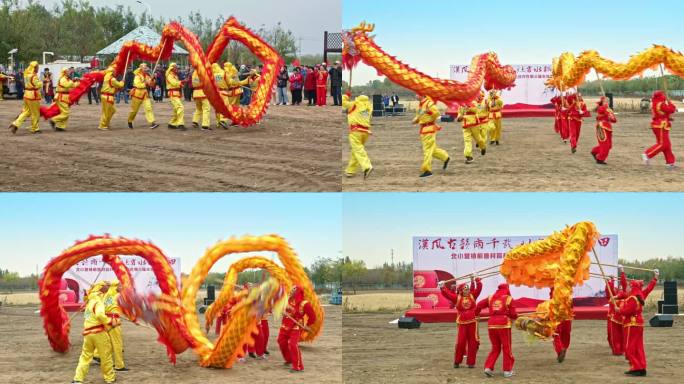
296,85
321,85
310,85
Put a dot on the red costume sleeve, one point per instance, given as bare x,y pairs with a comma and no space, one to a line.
511,311
623,282
482,304
668,108
477,289
310,314
448,293
610,289
629,307
650,287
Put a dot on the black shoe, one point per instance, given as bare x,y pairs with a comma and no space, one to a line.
52,124
573,150
13,128
252,355
60,129
96,360
471,366
130,125
182,128
477,145
367,173
287,363
497,142
223,124
426,174
483,151
601,162
492,142
170,126
561,355
267,353
594,155
37,132
124,369
455,365
154,125
296,371
195,125
446,163
469,160
206,128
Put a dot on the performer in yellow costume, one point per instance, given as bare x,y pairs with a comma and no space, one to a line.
173,85
495,106
469,116
113,311
220,79
359,114
201,115
483,116
234,89
140,96
95,326
426,116
110,86
32,86
64,85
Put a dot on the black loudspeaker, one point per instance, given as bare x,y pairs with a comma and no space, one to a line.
408,323
609,95
661,321
211,292
447,118
378,113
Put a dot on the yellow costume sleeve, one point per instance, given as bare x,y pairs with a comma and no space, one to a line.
172,81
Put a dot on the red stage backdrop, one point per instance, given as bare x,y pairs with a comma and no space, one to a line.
437,258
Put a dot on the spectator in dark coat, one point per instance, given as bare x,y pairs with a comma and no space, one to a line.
336,83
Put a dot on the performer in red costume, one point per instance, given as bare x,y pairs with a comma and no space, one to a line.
604,131
576,110
468,340
564,119
615,320
631,310
561,338
556,101
298,316
321,85
661,124
501,312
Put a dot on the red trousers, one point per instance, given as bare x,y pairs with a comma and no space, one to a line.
467,341
258,347
501,339
663,145
603,148
288,341
321,91
574,130
265,333
557,125
562,338
564,129
634,348
615,339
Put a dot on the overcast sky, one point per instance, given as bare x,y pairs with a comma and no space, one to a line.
35,227
306,19
446,32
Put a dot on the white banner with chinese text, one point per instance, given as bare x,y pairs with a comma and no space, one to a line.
529,85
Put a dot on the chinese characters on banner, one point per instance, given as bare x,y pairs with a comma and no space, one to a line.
529,84
444,257
94,269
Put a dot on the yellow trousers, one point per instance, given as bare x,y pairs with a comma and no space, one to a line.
485,131
100,342
63,117
496,129
201,112
178,114
219,117
430,151
147,106
358,158
108,112
116,340
470,134
31,108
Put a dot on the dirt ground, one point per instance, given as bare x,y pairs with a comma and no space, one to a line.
531,157
293,149
377,352
26,356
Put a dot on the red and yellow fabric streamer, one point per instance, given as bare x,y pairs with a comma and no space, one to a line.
485,70
201,62
569,71
172,312
559,261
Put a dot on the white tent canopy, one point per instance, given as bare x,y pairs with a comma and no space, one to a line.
143,35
